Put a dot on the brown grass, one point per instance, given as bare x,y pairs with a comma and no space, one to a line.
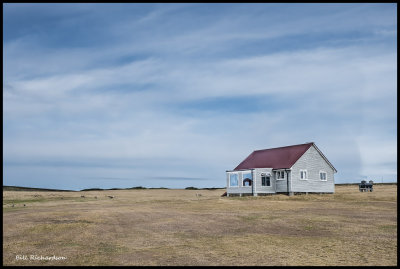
174,227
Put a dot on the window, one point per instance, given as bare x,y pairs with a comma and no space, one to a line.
303,174
280,175
246,182
265,180
322,176
233,180
247,179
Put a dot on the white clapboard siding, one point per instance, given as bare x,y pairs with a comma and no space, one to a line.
281,184
313,162
257,184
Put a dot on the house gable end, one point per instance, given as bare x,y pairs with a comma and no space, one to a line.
320,153
326,159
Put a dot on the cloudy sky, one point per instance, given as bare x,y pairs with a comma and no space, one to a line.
173,95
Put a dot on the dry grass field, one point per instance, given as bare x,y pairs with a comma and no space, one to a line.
174,227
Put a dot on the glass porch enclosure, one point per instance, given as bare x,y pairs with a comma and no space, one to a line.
240,182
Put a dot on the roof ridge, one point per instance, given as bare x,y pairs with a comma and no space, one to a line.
280,157
285,146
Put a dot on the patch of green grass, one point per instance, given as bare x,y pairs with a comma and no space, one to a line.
388,227
309,224
11,209
80,200
250,218
106,247
43,200
270,217
58,227
308,227
70,244
25,201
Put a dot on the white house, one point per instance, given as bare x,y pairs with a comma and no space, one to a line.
292,169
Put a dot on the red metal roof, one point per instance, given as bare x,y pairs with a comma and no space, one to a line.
276,158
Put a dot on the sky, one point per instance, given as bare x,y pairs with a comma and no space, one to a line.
173,95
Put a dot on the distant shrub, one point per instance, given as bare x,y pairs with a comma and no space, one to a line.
93,189
191,188
138,187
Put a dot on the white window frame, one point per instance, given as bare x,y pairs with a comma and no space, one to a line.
229,180
278,177
326,175
303,170
266,175
244,178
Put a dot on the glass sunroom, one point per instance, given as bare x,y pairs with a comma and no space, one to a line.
240,181
252,181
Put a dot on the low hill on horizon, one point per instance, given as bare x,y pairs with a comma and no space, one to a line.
19,188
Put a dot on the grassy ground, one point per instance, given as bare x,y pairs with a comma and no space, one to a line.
174,227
